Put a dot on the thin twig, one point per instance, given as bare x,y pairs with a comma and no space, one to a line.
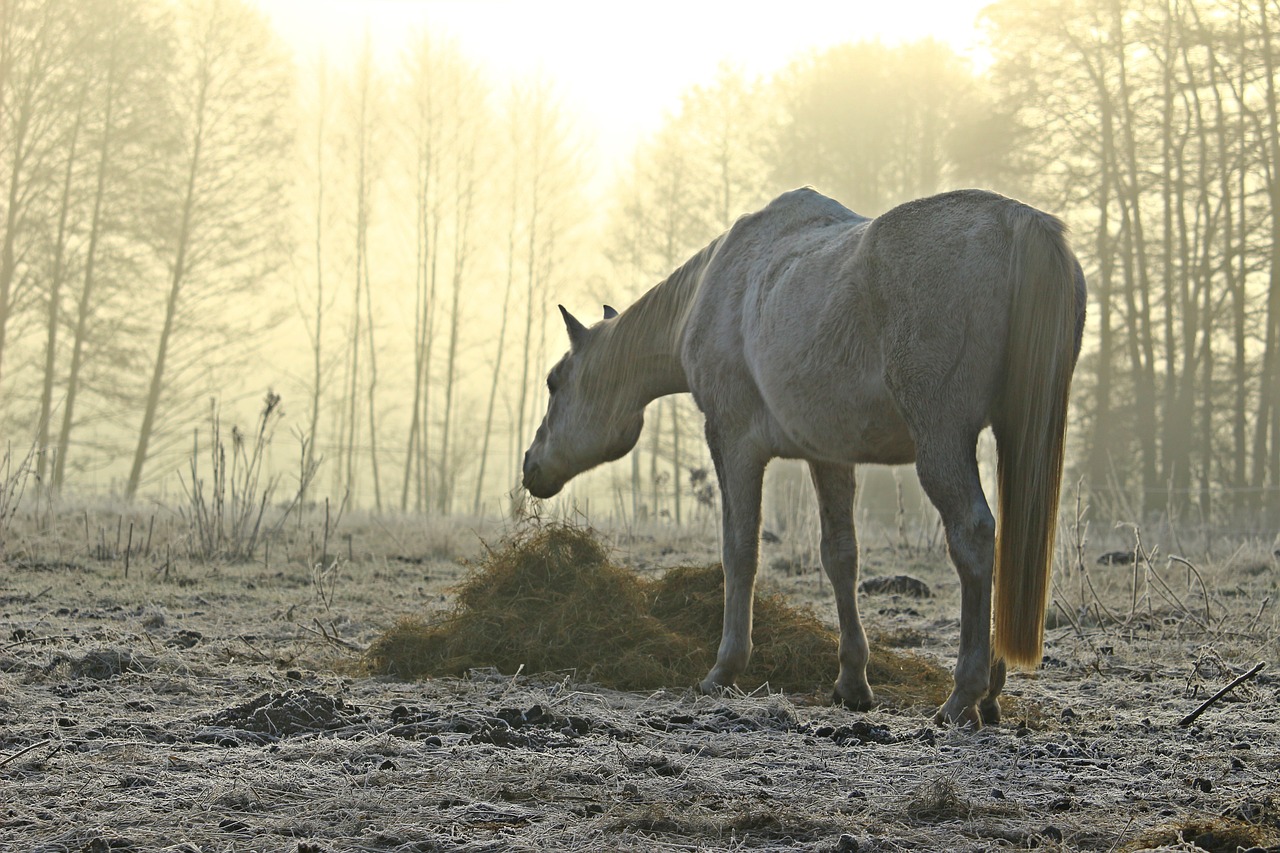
1121,836
23,752
1253,622
28,640
1191,718
331,635
1208,617
1070,618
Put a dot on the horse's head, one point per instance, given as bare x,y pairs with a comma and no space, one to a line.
591,417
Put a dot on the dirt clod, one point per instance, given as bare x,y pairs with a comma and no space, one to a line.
287,714
896,585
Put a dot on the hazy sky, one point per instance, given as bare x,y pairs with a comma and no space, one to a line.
621,65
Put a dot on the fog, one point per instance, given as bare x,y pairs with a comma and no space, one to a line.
372,211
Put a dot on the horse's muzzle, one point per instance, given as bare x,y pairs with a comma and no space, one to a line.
537,484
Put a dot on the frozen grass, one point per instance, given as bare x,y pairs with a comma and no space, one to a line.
209,705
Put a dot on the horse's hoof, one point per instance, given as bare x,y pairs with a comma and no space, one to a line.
857,704
964,718
989,710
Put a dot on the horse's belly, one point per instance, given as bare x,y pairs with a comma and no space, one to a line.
847,425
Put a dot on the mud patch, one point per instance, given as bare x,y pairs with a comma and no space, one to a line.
102,664
272,716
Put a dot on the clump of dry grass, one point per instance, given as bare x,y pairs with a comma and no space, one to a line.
551,600
939,799
1214,835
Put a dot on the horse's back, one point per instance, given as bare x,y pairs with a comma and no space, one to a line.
758,345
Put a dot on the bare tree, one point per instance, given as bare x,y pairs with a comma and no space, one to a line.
57,277
225,193
315,305
425,120
447,128
361,368
545,208
38,85
1266,452
464,166
130,62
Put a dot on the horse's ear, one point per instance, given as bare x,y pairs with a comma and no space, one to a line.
610,312
577,331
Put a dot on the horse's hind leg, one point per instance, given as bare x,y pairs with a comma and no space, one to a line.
835,486
948,471
741,477
989,707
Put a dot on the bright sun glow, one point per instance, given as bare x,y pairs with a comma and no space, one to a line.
620,66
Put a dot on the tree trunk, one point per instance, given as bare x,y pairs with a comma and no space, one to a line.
45,416
464,183
421,331
1265,466
1240,301
502,334
1101,446
176,281
317,338
373,382
86,293
676,461
654,452
1137,280
531,289
13,209
1174,426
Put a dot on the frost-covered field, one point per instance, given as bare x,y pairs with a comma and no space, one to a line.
223,707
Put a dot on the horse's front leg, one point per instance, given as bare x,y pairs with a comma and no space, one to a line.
835,485
741,476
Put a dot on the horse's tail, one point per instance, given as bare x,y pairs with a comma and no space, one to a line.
1029,421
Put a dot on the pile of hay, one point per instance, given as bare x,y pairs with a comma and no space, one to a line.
551,600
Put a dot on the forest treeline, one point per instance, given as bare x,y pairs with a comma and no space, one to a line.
189,212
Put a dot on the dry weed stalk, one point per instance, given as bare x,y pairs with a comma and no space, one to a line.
13,484
229,518
1089,600
1153,601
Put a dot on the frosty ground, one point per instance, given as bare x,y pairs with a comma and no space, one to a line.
214,706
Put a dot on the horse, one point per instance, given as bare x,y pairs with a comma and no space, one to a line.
808,331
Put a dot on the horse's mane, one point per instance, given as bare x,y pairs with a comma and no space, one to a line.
654,325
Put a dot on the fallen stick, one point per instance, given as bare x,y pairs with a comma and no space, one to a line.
23,752
1191,718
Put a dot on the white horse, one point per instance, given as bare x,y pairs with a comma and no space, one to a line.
807,331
